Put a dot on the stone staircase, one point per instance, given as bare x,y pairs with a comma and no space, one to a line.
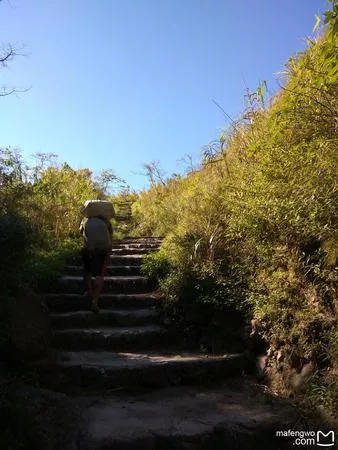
114,363
123,216
124,345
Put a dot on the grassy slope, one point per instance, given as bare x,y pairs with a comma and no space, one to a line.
258,221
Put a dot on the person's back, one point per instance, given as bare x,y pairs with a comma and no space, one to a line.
97,235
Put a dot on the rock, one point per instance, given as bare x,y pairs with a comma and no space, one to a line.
299,380
54,417
262,363
29,326
280,356
253,339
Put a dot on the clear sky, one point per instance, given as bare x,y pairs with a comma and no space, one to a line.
117,83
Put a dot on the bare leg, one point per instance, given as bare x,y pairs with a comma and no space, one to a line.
88,283
98,284
97,291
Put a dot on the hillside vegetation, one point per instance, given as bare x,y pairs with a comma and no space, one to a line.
252,232
40,216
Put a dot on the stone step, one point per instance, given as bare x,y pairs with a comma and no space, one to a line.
125,260
117,284
142,238
110,270
119,317
123,216
148,240
233,416
133,251
102,371
111,338
135,246
114,260
74,302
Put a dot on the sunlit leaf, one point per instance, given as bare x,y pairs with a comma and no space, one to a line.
316,24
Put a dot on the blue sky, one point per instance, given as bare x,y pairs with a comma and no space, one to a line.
117,83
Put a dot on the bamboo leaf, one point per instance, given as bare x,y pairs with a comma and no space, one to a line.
316,24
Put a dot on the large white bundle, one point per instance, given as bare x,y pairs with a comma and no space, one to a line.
94,208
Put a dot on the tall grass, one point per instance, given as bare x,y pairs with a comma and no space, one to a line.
265,201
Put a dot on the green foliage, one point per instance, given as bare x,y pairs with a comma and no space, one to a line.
205,300
255,226
15,239
261,91
40,217
156,265
57,197
331,18
45,267
323,387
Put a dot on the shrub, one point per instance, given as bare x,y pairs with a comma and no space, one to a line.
207,301
156,265
16,237
45,267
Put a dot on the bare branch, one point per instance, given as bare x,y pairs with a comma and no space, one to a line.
7,55
188,163
5,90
224,112
154,173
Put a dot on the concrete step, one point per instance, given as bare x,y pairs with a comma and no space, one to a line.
232,416
102,371
119,317
110,270
111,338
74,302
118,284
